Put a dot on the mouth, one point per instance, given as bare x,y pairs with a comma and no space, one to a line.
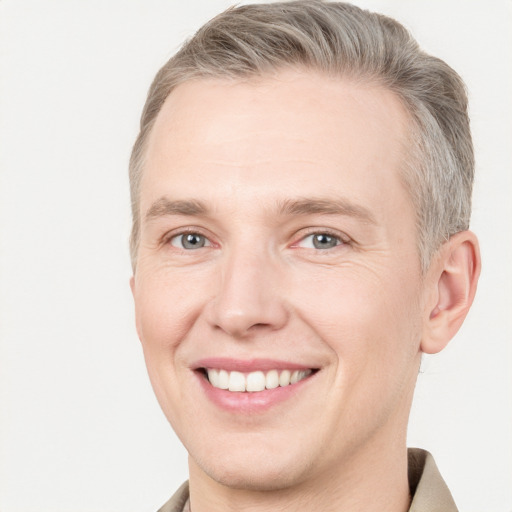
255,381
248,387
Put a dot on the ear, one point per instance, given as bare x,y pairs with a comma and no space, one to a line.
452,281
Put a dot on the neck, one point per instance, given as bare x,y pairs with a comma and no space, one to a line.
373,481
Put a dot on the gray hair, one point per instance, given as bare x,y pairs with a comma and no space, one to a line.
342,40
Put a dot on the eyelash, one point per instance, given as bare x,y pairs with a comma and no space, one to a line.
341,239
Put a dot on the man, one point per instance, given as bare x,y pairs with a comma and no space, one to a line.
301,192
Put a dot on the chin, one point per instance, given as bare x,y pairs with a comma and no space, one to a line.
265,472
254,479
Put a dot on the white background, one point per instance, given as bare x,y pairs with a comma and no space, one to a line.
80,429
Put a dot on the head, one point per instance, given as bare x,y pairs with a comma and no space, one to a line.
301,193
342,40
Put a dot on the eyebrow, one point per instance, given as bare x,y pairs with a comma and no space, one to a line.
328,206
165,206
287,207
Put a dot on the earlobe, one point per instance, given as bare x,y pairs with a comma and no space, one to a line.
454,278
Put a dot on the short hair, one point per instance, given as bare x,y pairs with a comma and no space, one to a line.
339,39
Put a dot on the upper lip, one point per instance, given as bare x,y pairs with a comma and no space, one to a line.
248,365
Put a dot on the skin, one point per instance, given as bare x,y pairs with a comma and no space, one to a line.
361,311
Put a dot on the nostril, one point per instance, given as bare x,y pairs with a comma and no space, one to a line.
259,326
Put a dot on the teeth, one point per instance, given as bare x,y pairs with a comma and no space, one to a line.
236,381
213,376
223,379
254,381
284,378
272,379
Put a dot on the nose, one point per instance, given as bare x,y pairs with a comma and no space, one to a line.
250,296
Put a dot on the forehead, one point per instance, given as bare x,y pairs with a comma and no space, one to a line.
294,132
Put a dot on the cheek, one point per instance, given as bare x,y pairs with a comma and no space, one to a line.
167,303
366,318
371,328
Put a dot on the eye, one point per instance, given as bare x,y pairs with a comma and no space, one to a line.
190,241
320,241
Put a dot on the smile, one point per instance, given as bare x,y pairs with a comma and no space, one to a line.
254,381
254,386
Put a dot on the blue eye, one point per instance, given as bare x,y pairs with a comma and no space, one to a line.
190,241
320,241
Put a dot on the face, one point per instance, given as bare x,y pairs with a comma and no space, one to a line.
278,259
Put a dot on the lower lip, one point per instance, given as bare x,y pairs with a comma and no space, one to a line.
250,402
